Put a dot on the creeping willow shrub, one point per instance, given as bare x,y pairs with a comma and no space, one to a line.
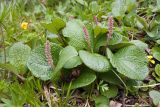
121,56
82,47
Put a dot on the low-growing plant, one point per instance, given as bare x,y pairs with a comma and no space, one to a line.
90,47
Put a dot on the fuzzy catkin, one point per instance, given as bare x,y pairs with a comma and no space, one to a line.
48,55
86,36
95,20
110,26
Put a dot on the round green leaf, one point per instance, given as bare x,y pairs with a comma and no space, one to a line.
157,69
158,41
111,92
37,62
97,30
118,8
100,41
155,95
156,53
55,26
110,77
120,45
95,61
101,101
73,62
115,39
86,77
65,55
130,61
74,31
94,7
154,33
18,54
140,44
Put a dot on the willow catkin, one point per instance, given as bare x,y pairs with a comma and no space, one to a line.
48,54
95,20
110,26
87,36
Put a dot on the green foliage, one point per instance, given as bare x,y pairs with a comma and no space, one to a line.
130,61
18,54
111,92
101,101
94,7
65,55
156,74
8,67
140,44
38,64
85,78
110,77
116,38
107,65
22,94
141,23
3,85
74,31
156,53
157,69
73,62
82,2
154,33
94,61
55,26
155,95
118,8
107,91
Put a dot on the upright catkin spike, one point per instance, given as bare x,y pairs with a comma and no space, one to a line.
95,20
87,36
48,55
110,26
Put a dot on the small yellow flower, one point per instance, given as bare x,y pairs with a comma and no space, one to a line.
24,25
149,56
150,59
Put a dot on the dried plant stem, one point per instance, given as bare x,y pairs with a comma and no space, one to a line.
87,104
138,105
47,96
152,85
20,77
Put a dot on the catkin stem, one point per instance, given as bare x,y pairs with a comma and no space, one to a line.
48,54
87,38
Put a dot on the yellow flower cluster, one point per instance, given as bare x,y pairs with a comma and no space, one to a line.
24,25
150,59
